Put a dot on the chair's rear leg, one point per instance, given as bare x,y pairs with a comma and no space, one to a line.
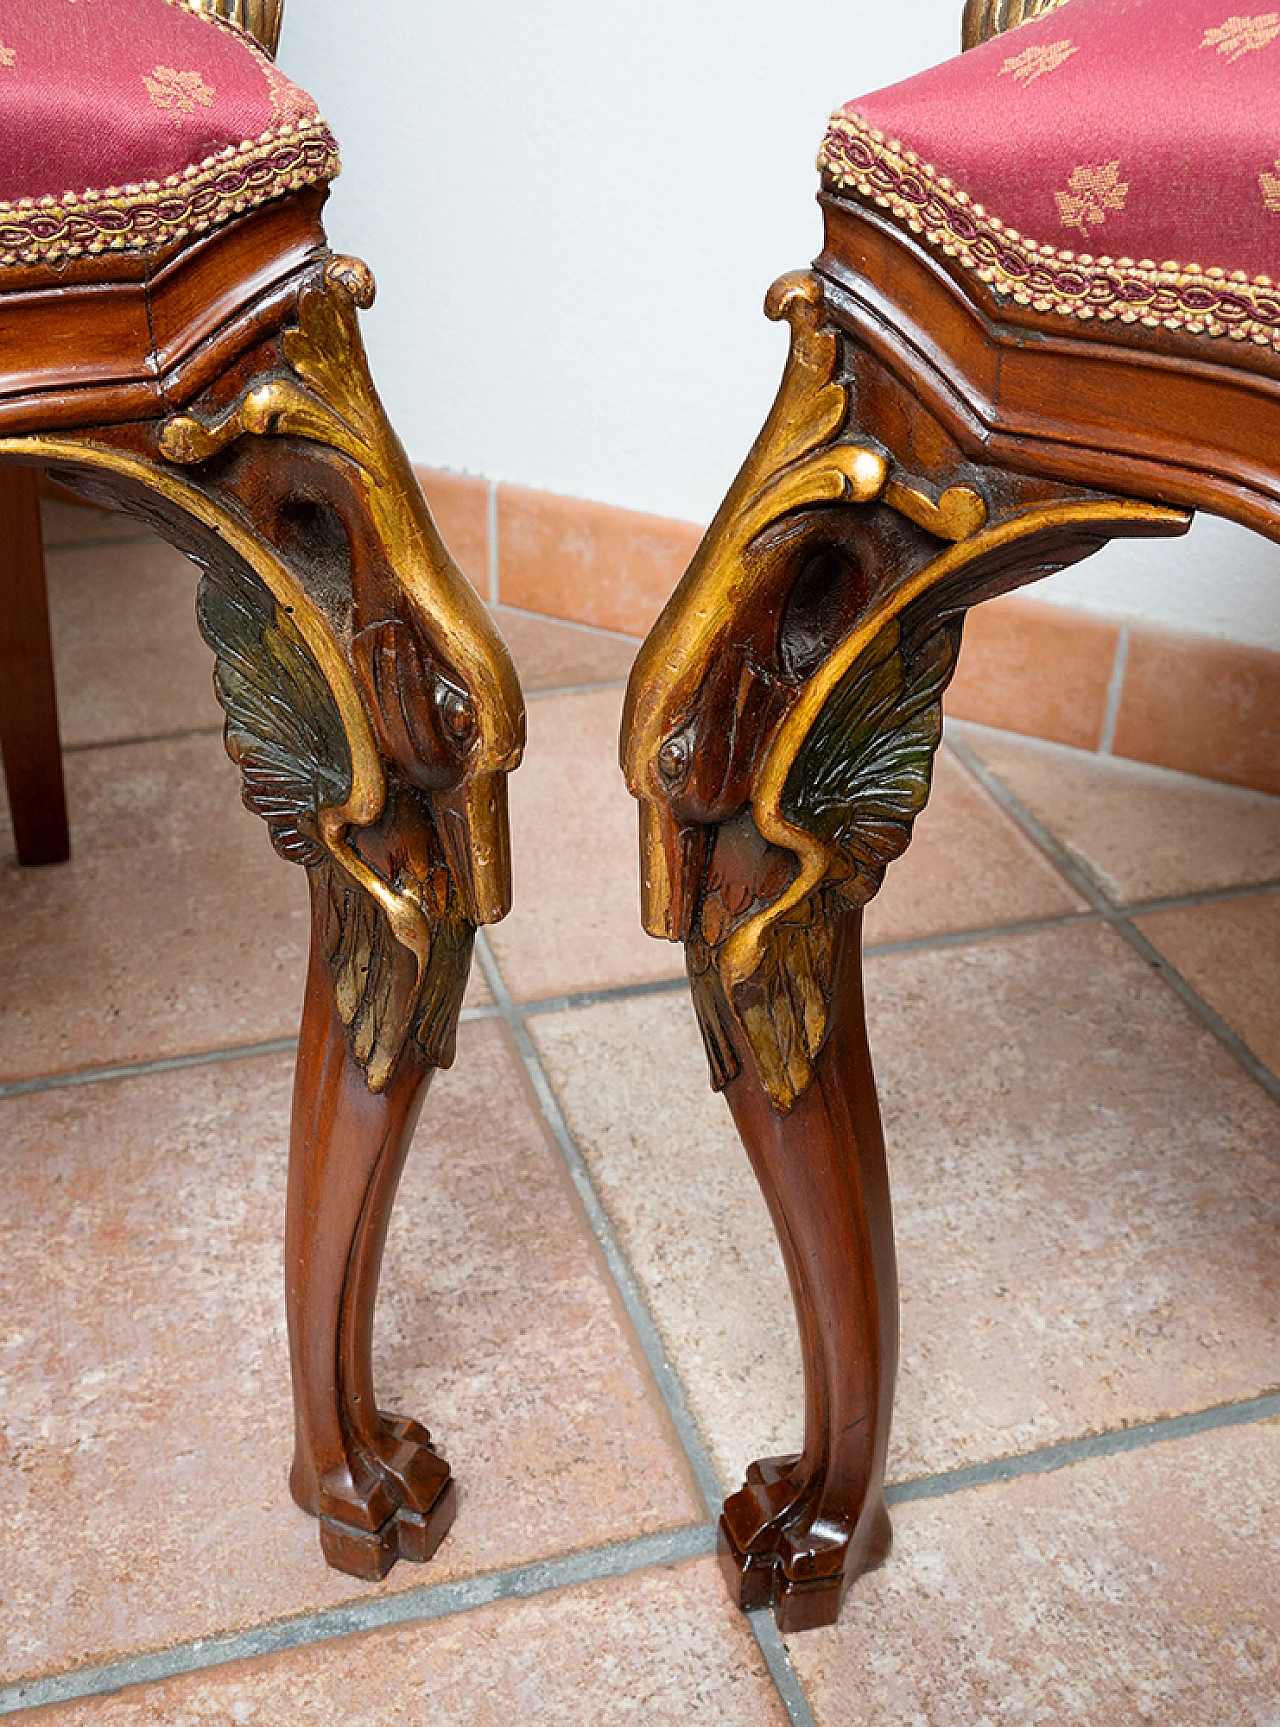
29,739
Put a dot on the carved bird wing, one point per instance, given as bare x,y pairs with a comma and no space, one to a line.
284,731
857,782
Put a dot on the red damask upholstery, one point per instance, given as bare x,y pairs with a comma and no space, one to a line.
1113,159
125,124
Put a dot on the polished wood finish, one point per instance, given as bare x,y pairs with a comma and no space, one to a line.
220,393
1189,421
800,1525
29,738
930,448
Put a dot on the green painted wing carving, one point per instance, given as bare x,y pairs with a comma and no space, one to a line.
857,783
285,734
283,731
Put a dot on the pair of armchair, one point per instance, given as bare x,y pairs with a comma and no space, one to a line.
1002,359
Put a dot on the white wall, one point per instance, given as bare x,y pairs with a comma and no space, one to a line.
574,208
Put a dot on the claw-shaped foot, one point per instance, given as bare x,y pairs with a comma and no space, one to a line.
777,1549
402,1507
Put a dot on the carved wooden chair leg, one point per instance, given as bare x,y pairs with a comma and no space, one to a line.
374,713
379,1489
29,739
779,732
790,1535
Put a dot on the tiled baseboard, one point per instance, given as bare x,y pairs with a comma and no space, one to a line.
1190,702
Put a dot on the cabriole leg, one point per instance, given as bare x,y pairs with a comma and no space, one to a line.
374,714
779,734
380,1491
803,1527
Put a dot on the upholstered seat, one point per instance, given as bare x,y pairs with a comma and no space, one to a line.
1100,162
128,128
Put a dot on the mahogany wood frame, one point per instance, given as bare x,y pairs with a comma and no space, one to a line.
218,390
931,446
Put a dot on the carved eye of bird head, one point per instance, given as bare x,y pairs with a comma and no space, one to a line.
675,757
457,712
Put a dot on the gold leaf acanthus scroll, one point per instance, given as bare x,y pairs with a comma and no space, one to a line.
845,763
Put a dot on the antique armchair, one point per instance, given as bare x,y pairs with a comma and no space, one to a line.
180,343
1006,354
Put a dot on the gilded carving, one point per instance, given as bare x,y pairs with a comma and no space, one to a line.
375,752
770,806
261,18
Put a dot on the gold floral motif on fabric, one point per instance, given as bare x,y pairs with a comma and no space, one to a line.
1239,35
1270,184
857,157
1090,194
7,55
287,101
177,93
1033,63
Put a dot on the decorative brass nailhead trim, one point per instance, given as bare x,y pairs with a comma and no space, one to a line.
1168,296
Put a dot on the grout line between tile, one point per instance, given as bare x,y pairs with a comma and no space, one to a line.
146,738
1114,689
1111,1444
592,997
765,1630
576,689
1117,916
968,937
491,534
1203,896
628,1286
160,1064
194,1058
572,624
696,1541
412,1606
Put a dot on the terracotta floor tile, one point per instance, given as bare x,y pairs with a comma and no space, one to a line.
174,927
591,562
1143,832
1229,950
968,867
146,1427
660,1647
460,505
1036,668
576,922
1087,1194
1139,1588
1205,706
550,655
128,657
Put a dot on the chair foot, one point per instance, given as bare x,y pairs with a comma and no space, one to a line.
772,1555
404,1535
